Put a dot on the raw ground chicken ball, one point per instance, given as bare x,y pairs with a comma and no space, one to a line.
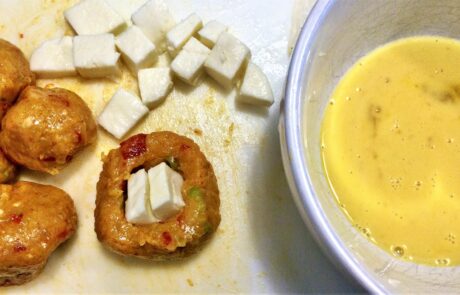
46,128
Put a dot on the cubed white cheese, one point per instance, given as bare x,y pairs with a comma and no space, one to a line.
155,20
54,58
179,35
121,113
211,32
255,88
94,56
227,59
136,49
188,64
165,191
154,85
94,17
137,206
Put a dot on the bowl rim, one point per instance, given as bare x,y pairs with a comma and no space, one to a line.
306,202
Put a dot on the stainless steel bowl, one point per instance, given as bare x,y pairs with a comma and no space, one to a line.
335,35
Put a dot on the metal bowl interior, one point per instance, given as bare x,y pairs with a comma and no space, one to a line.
335,35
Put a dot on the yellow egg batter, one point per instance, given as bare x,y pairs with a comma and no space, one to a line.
391,148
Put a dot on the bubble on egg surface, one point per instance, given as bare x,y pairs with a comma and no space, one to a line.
398,251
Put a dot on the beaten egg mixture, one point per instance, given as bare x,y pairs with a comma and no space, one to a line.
391,148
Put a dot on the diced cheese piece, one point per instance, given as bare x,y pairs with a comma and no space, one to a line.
180,34
227,60
53,58
188,64
94,17
94,56
256,88
211,32
136,49
121,113
165,191
137,206
154,84
155,20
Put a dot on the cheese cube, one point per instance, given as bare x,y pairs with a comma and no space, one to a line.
255,88
165,191
94,17
188,64
136,49
53,58
211,32
179,35
121,113
155,20
137,206
94,56
227,60
154,85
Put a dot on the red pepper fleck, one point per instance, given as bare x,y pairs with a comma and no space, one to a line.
78,136
19,248
49,159
180,219
62,235
184,147
16,218
134,146
21,35
167,239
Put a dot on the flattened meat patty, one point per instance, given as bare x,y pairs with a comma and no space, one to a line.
34,220
15,74
46,128
177,236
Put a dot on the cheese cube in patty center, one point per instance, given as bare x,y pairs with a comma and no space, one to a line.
137,206
94,56
165,191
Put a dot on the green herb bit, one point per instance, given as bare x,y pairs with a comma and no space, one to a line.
172,162
195,192
207,227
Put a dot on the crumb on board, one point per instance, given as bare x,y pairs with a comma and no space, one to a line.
198,131
231,128
190,282
21,35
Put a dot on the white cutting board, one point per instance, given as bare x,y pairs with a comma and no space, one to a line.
262,244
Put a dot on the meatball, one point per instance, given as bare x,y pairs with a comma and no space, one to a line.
34,220
176,237
15,74
46,128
